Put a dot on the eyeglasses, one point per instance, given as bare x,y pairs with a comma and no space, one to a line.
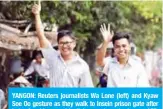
65,43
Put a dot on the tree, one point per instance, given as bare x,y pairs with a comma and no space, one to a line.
142,19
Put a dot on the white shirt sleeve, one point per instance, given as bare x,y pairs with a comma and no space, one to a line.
106,68
30,69
106,59
49,54
142,79
86,79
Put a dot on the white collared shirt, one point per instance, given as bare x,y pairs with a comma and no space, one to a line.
74,73
42,69
132,75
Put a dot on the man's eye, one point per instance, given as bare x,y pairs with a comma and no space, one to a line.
124,46
117,46
66,42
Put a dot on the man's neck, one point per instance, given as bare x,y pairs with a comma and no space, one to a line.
124,61
39,62
68,57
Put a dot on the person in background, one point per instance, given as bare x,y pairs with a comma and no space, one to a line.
156,80
102,77
122,70
67,68
39,68
133,53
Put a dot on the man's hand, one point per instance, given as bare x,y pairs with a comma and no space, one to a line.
106,33
44,43
36,8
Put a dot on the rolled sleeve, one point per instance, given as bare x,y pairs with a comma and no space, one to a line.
106,68
49,54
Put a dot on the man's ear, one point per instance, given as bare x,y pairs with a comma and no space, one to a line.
130,48
74,44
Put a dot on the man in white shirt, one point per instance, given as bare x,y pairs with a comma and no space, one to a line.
67,69
39,67
122,70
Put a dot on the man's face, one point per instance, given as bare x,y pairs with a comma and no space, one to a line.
38,58
122,48
66,45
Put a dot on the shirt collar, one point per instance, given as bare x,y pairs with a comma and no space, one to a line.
130,61
75,58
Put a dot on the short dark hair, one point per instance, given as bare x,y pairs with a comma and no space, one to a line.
63,33
36,53
55,47
120,35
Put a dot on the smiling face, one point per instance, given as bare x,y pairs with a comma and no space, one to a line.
38,58
122,48
66,46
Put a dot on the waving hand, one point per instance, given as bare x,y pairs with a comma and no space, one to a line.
106,33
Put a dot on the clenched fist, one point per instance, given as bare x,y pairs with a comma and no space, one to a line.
36,8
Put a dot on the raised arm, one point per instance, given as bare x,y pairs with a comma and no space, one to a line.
107,37
44,43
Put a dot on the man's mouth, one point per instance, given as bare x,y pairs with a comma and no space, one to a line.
122,53
65,50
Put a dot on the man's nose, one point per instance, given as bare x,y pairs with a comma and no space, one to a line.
121,48
65,45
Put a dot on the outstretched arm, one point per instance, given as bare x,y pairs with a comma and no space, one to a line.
107,37
44,43
30,69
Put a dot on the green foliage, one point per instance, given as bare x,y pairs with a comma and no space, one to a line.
141,18
148,21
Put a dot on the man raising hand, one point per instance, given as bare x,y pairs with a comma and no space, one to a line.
67,69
